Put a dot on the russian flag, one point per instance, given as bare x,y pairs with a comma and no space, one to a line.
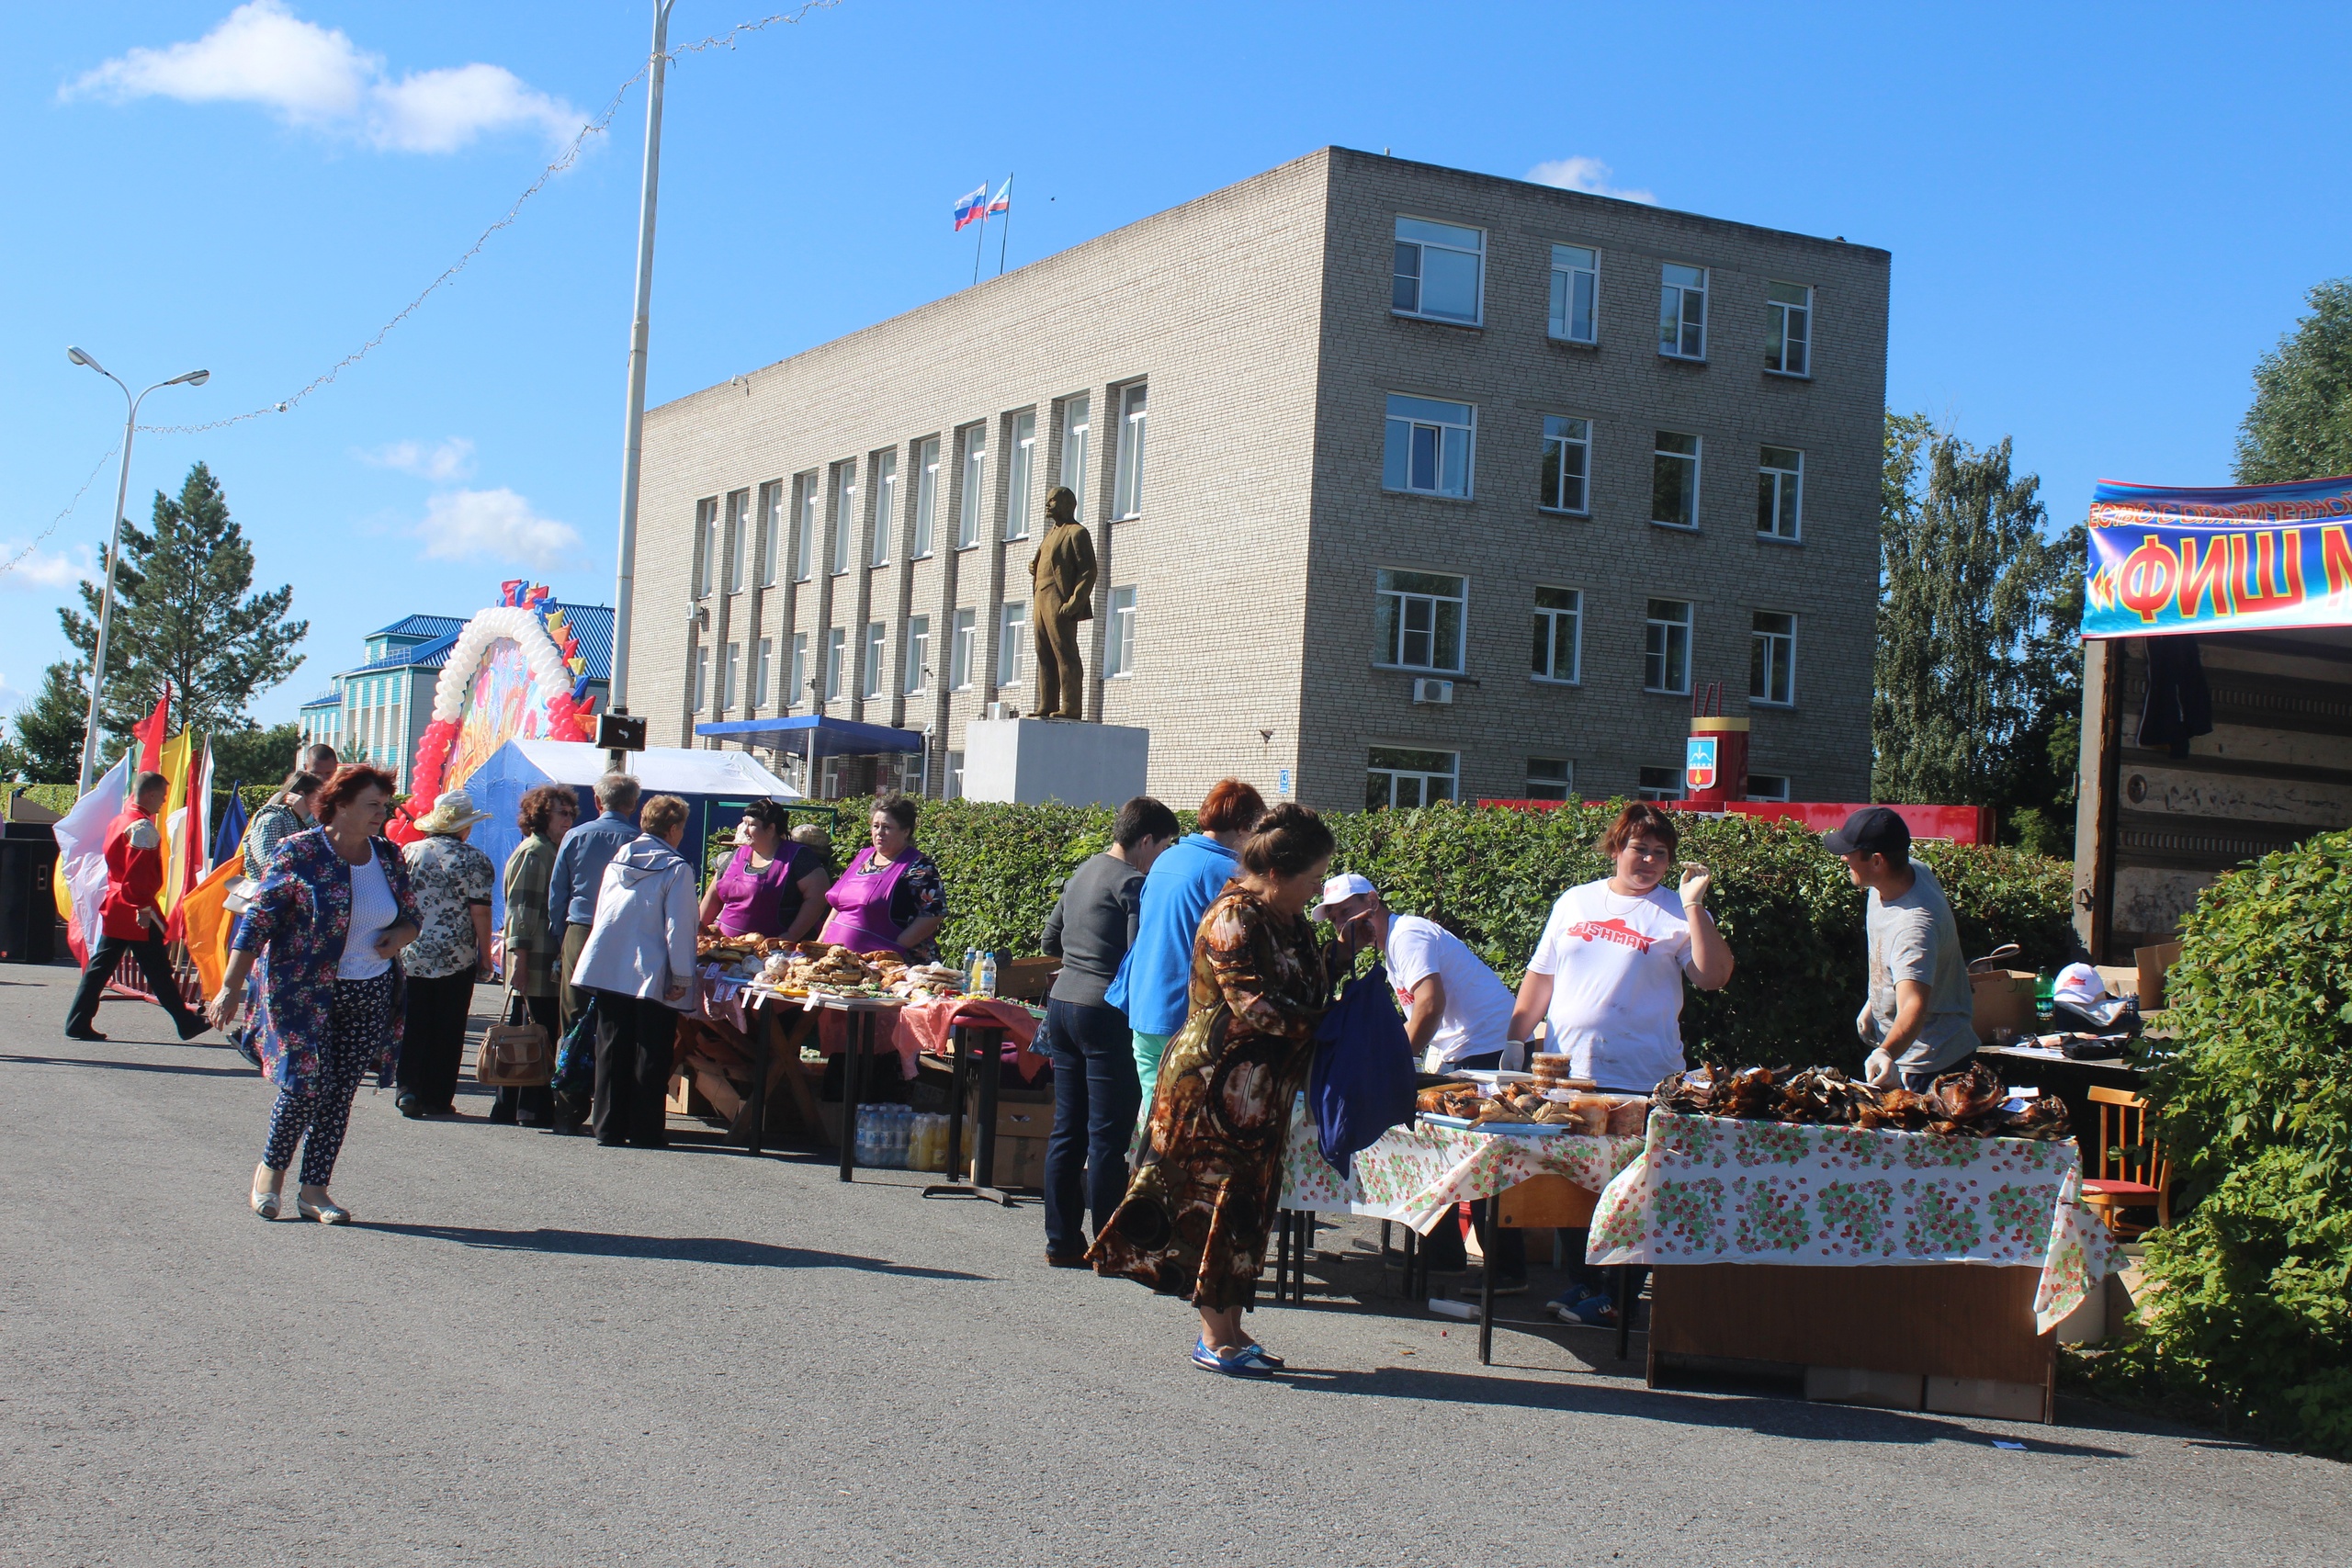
969,208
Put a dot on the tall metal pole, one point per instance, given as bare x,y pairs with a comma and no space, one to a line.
633,440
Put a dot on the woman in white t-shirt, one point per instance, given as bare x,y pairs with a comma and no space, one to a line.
1607,976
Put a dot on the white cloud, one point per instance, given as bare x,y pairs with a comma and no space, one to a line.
450,459
499,524
41,572
317,78
1586,175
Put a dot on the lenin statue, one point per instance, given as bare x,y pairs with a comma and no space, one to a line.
1062,574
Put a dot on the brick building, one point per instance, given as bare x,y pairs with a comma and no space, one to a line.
1405,482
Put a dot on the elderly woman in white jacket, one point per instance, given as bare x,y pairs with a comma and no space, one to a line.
639,967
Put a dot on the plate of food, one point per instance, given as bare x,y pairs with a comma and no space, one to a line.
1489,1077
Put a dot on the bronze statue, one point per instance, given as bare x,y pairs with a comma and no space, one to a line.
1062,575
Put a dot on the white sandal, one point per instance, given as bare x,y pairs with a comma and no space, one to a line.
267,1204
327,1214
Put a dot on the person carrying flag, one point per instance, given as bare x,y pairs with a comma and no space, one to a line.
130,921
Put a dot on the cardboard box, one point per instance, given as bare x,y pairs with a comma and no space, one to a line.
2154,963
2002,999
1014,1118
1020,1162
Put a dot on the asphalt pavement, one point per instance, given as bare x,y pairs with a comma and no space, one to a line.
532,1350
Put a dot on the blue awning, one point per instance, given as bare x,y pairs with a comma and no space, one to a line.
813,735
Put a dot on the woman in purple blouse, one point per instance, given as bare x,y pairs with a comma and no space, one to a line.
771,886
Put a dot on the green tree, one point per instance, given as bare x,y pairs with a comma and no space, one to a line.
184,614
47,742
1978,676
255,755
2300,424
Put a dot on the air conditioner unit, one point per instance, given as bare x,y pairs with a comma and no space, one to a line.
1432,691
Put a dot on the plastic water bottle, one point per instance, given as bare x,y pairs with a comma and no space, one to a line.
988,975
862,1135
896,1156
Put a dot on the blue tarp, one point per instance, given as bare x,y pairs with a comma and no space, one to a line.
829,737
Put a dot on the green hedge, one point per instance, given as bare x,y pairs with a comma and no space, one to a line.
60,797
1794,922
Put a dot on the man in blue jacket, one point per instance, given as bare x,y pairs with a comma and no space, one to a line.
1154,983
579,863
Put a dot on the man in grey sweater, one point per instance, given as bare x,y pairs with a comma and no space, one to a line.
1096,1091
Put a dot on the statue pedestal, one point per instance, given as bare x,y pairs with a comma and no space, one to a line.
1029,761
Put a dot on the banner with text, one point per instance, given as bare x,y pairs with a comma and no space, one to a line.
2255,558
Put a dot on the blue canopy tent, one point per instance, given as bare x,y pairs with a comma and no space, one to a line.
716,784
814,738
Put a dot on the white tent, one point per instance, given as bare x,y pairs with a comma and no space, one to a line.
663,770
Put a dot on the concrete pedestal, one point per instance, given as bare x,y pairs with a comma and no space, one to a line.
1031,760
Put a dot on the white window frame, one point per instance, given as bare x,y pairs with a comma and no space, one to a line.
974,439
1407,290
952,779
1119,635
739,540
1780,495
1544,662
1650,785
1660,455
1126,478
764,665
836,655
1682,311
1012,631
1570,264
926,496
1078,427
702,677
843,550
918,655
1407,417
886,495
804,537
1665,658
705,546
1782,780
1024,465
1772,660
728,668
1397,605
963,653
872,655
1566,436
1564,781
796,696
1386,768
775,518
1787,339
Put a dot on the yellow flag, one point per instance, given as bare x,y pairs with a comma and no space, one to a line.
172,763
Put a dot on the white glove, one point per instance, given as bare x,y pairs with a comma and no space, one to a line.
1880,1071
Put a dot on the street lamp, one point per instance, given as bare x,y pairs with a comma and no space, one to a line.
105,596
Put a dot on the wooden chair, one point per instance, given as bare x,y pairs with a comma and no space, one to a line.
2127,1147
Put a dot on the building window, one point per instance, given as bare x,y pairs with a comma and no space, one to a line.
953,783
804,542
926,495
1013,630
1126,479
1666,647
1660,784
1404,779
1075,430
1779,493
1438,268
705,546
799,670
702,677
1551,778
1418,625
917,653
885,497
836,648
1024,454
1567,454
1682,311
774,518
1119,635
727,677
1559,634
1674,481
845,515
1772,660
739,540
965,653
765,662
1767,786
1788,335
976,464
1430,445
870,676
1575,291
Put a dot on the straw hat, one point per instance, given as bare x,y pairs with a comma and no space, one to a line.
453,812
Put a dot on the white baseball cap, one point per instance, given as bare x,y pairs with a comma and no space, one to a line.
1340,889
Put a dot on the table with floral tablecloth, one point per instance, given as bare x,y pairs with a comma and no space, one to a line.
1417,1172
1710,1189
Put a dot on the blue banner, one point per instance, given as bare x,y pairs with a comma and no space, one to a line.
2252,559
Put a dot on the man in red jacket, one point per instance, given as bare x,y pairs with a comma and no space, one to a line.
130,918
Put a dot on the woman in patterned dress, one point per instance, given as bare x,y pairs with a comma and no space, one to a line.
1196,1217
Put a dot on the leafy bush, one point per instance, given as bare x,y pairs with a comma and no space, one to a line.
1491,874
2250,1301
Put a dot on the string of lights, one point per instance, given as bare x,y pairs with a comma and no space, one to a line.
13,562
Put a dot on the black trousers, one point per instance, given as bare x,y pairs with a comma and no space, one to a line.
534,1106
636,1042
155,962
433,1039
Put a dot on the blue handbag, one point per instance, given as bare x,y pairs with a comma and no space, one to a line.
1361,1083
575,1064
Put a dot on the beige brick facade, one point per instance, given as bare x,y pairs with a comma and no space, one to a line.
1259,320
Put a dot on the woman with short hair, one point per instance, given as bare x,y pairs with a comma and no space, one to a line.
1195,1220
638,967
320,943
890,899
545,814
770,887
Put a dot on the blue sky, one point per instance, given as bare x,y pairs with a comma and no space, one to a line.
2099,218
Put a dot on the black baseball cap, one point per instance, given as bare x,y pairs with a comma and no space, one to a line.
1872,830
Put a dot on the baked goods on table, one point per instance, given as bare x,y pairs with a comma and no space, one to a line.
1970,1102
1526,1105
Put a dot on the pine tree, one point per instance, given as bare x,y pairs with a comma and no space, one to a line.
183,614
47,742
2299,427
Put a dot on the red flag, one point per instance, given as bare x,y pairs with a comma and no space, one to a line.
150,731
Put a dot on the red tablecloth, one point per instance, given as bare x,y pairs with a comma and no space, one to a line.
925,1026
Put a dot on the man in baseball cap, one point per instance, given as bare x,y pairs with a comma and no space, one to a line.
1916,1020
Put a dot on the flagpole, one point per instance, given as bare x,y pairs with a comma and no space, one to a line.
980,244
1005,235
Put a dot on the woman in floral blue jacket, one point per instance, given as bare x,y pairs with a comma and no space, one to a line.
326,927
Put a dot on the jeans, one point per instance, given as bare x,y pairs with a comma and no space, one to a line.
155,962
1095,1097
1504,1246
635,1042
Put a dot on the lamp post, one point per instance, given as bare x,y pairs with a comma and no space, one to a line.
114,547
